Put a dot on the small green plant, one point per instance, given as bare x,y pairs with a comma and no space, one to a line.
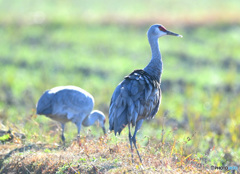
5,137
63,169
47,150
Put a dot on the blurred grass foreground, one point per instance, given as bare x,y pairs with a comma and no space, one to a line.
93,45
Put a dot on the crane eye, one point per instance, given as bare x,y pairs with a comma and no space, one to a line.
161,28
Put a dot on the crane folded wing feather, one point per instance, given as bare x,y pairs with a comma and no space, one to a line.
135,98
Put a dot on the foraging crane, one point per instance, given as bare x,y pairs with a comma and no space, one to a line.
138,96
70,103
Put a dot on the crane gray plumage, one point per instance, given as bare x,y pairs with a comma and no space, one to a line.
70,103
138,96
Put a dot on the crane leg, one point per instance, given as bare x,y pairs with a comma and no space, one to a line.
134,142
63,138
138,125
130,140
78,136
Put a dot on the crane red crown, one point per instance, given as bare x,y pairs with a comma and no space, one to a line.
162,28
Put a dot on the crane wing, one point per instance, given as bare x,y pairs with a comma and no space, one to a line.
136,97
71,102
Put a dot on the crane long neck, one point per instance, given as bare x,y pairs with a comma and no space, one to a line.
90,119
154,68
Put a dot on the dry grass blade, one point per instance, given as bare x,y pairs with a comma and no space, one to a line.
94,156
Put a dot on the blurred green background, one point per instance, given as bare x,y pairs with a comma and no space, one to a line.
94,44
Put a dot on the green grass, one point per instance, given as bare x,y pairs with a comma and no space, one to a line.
51,43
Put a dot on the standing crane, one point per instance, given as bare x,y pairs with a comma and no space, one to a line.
70,103
138,96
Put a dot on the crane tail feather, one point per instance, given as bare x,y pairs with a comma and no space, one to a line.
119,122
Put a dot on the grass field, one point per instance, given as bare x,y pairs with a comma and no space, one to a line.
95,44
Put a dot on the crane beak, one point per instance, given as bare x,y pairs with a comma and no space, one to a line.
173,34
104,130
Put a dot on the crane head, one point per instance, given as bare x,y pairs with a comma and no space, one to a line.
159,30
101,119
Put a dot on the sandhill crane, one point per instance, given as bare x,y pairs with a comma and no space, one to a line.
70,103
138,96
